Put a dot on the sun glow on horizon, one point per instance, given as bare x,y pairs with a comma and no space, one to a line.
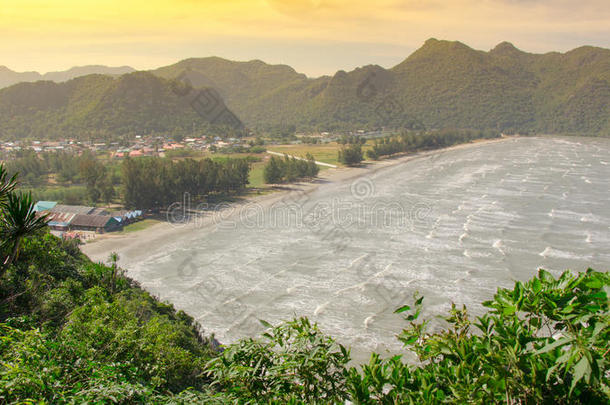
314,36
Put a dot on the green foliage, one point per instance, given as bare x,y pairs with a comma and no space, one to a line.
351,155
544,341
8,183
98,106
289,169
69,170
17,220
443,84
295,361
68,337
409,141
152,183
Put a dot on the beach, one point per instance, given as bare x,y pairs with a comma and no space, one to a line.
151,239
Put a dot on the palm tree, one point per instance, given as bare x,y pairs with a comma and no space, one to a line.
18,220
7,184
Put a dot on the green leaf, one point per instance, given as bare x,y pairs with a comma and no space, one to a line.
265,323
559,342
536,286
594,283
581,369
509,310
402,309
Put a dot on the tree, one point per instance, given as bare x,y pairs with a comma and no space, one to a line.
351,155
273,171
106,189
312,167
19,220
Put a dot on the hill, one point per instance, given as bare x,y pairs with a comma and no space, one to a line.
9,77
442,84
104,106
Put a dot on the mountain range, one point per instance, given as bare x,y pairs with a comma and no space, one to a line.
101,106
442,84
9,77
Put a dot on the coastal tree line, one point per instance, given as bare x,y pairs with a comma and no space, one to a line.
154,183
408,141
288,169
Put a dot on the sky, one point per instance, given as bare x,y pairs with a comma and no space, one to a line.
315,37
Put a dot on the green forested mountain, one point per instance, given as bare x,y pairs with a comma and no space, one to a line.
9,77
99,106
442,84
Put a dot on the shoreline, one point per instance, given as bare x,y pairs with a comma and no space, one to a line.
164,232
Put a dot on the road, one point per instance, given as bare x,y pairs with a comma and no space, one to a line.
300,158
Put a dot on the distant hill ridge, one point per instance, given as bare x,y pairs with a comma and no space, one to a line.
9,77
101,106
442,84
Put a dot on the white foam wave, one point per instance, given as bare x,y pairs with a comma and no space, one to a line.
498,245
320,308
559,254
356,260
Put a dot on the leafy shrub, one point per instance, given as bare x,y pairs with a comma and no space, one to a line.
294,362
351,155
544,341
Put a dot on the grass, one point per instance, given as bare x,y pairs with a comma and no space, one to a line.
139,226
256,175
327,153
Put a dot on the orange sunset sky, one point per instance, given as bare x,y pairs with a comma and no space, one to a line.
314,36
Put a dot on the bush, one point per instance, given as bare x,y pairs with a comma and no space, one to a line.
289,169
351,155
544,341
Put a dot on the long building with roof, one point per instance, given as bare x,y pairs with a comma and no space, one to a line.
64,218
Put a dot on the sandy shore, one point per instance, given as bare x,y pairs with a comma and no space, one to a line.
164,233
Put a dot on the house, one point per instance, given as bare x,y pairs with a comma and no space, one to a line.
59,221
44,205
72,209
95,223
136,153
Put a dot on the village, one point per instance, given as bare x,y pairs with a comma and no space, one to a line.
136,147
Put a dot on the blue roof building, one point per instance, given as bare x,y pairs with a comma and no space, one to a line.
44,205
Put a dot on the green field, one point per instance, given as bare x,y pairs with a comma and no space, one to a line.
256,175
140,225
327,153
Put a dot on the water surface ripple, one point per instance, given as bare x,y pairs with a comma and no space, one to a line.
453,226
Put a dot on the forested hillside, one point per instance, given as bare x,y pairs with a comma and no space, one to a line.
442,84
98,106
